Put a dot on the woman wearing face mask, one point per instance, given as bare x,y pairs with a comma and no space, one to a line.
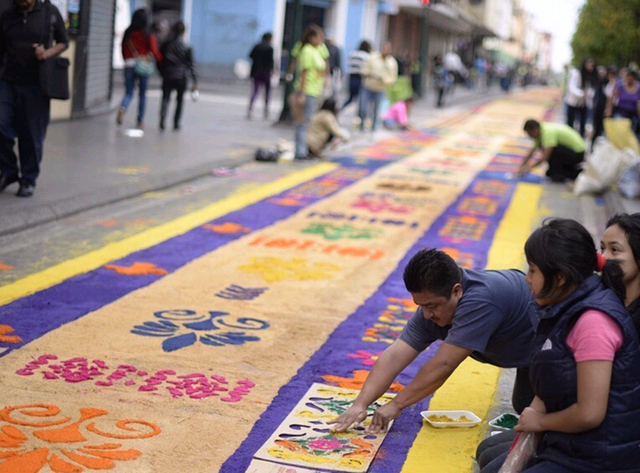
621,242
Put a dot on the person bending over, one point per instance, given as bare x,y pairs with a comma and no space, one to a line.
477,314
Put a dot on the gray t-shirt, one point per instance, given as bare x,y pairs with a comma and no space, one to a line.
491,319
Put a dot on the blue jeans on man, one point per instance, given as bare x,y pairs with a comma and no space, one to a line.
130,79
24,114
368,99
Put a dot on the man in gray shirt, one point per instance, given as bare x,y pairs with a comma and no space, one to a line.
481,314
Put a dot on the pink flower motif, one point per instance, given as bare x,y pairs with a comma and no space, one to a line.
368,359
323,444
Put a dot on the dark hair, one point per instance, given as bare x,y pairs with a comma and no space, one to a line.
630,225
139,22
412,98
564,246
432,270
267,36
310,32
178,28
633,74
531,125
365,46
330,105
589,78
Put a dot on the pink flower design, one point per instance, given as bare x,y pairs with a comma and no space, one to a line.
322,444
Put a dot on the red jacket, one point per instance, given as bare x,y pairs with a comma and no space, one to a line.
138,41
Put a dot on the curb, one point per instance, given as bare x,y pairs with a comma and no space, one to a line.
19,221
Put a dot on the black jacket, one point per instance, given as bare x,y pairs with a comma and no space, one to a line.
262,57
613,446
177,60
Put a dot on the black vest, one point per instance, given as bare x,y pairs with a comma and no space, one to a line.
614,446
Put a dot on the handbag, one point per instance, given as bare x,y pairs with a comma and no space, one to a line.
144,65
54,71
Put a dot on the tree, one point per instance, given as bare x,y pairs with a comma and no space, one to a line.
608,31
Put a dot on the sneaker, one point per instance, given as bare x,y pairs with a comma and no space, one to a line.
26,190
6,181
140,126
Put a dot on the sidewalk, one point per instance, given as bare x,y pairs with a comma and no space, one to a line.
92,162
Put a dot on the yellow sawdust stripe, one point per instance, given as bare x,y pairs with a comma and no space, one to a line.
473,385
90,261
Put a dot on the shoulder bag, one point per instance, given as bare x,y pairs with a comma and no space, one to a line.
53,71
144,65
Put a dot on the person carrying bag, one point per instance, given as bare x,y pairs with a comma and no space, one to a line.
54,70
33,74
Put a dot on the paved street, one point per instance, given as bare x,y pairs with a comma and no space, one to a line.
166,287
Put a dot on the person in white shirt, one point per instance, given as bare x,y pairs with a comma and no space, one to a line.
579,95
357,59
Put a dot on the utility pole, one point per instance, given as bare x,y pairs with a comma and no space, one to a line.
424,48
296,34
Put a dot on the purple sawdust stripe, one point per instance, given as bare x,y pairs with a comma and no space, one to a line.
332,358
35,315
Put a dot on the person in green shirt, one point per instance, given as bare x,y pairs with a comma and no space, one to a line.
562,148
308,87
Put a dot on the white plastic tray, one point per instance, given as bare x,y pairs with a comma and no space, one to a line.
474,419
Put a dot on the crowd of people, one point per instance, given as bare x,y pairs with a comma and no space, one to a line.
594,92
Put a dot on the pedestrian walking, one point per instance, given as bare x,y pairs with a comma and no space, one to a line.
261,69
26,31
357,59
308,87
335,66
140,52
177,64
441,81
380,71
477,314
603,93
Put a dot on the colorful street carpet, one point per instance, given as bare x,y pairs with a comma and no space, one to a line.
222,341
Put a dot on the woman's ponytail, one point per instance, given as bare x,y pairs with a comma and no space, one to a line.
612,276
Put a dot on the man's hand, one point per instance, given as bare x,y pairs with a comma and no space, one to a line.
353,415
40,52
530,421
381,418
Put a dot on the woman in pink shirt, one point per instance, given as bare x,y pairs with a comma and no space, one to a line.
585,358
398,115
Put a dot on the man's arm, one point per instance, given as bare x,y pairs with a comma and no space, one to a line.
431,376
388,366
525,167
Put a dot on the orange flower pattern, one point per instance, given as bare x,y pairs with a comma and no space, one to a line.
137,269
5,338
71,445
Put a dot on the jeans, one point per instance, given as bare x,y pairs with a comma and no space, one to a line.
581,114
24,114
355,83
168,86
310,107
130,78
369,98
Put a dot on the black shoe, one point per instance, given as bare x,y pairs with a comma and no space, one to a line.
6,181
161,126
26,190
176,127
